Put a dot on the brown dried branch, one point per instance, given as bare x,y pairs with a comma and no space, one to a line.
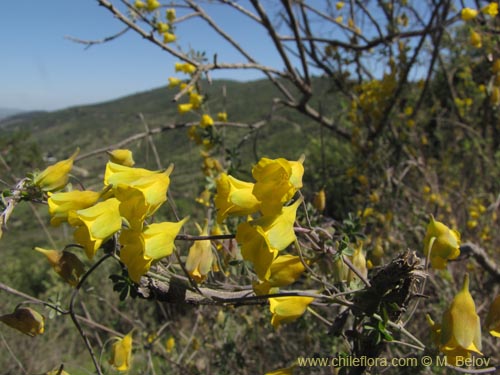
90,43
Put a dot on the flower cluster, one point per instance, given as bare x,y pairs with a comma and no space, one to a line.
130,195
166,28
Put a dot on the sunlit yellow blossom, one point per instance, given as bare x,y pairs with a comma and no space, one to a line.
206,121
277,181
162,27
57,372
442,242
122,157
66,264
173,82
204,198
234,197
285,270
139,4
95,224
475,39
339,19
339,5
25,320
461,328
469,14
262,239
493,318
200,257
359,262
184,108
169,37
170,344
282,371
287,309
170,14
152,5
195,99
122,353
185,68
491,9
319,201
222,116
61,204
55,177
141,248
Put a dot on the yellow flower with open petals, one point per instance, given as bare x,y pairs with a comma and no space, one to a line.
66,264
25,320
206,121
468,14
56,176
234,197
285,270
200,257
152,5
61,204
461,328
442,242
162,27
96,224
491,9
493,318
122,157
195,99
141,248
185,68
122,353
174,82
276,182
184,108
287,309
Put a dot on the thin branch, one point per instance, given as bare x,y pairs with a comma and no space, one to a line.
90,43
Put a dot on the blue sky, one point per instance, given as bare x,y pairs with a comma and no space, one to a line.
40,69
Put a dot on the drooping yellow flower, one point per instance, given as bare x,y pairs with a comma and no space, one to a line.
184,108
282,371
493,318
152,5
469,14
122,353
55,177
169,37
141,248
185,68
200,257
276,182
61,204
122,157
206,121
442,242
359,262
475,39
66,264
339,5
287,309
170,15
139,4
170,344
25,320
285,270
162,27
234,197
96,224
262,239
461,327
491,9
174,82
222,116
319,201
195,99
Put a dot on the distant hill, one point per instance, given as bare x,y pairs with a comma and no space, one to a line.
6,112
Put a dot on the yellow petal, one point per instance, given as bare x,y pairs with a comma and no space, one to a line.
55,177
25,320
287,309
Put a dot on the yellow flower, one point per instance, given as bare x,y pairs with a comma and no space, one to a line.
170,14
95,224
57,372
185,68
261,239
122,157
66,264
276,182
61,204
170,344
122,353
184,108
173,82
25,320
435,330
491,9
319,201
222,116
152,5
339,5
195,99
162,27
55,177
469,14
285,270
493,318
475,39
169,37
206,121
359,262
282,371
442,242
288,309
461,328
200,257
141,248
139,4
234,197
